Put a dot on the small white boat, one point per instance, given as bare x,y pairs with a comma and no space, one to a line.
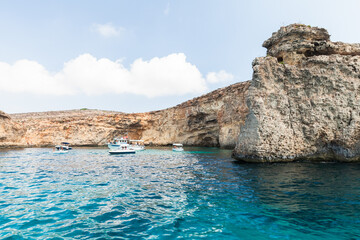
177,147
124,149
137,145
59,150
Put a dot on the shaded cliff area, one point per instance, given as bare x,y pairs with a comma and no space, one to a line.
304,100
213,119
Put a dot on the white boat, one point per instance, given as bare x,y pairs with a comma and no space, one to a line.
123,149
118,142
177,147
120,146
66,145
59,150
137,145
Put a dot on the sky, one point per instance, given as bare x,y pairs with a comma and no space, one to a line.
140,55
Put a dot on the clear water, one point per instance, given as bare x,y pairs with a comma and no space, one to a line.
160,194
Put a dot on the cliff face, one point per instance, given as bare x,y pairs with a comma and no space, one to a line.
214,119
303,103
11,132
304,100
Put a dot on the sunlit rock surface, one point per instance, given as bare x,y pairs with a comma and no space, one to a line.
214,119
11,132
304,100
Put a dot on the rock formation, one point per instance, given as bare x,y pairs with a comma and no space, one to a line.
303,103
213,119
304,100
11,132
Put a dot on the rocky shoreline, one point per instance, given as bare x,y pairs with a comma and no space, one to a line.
303,103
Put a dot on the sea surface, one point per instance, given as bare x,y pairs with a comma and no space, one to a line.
201,193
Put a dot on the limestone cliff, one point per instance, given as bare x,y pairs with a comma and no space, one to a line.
302,103
304,100
11,132
214,119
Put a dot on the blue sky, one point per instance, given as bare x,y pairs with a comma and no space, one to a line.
136,56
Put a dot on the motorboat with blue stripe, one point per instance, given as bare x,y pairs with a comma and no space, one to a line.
120,146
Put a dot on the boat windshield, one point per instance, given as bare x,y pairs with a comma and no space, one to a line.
177,145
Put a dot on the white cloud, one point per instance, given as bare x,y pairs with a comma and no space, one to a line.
29,76
169,75
216,77
107,30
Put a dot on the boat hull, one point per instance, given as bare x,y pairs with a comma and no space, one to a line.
113,152
60,152
137,148
178,149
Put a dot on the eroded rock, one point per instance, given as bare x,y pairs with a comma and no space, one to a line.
11,132
296,42
214,119
303,106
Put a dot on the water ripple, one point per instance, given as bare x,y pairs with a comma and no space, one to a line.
159,194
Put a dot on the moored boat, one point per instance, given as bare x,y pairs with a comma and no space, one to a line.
59,150
137,145
118,142
124,149
66,146
120,146
177,147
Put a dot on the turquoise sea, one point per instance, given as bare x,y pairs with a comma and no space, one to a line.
201,193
